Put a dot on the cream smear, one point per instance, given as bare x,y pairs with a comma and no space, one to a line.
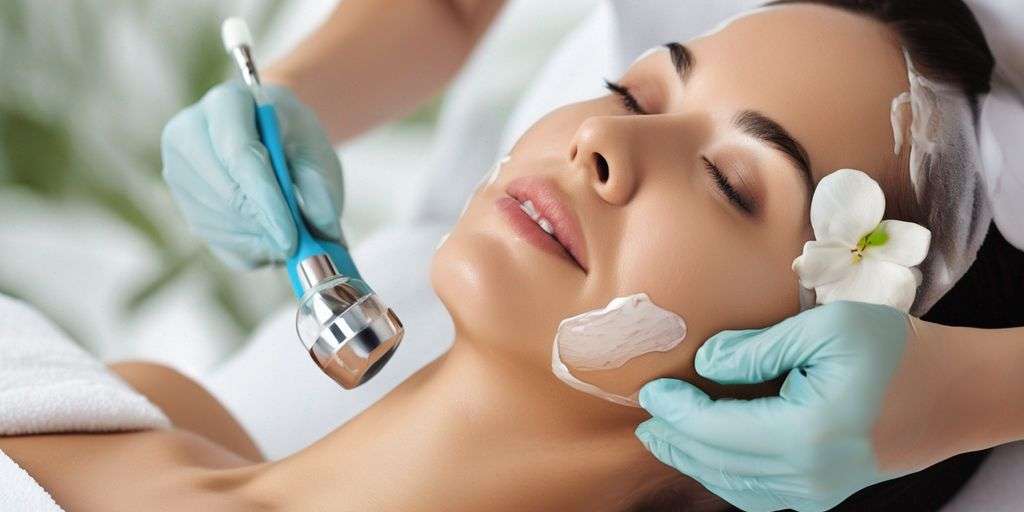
608,338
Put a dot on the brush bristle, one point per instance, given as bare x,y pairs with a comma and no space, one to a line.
235,32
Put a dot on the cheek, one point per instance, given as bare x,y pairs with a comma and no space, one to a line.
712,273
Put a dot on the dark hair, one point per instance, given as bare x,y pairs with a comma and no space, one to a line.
946,44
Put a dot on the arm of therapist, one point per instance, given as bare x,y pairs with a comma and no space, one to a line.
375,60
370,61
870,394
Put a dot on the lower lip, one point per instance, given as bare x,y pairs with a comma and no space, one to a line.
528,230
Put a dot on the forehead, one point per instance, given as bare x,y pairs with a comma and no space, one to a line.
827,76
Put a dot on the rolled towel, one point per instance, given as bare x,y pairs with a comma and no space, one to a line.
18,491
48,384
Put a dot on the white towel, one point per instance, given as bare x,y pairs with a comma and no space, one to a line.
49,384
18,491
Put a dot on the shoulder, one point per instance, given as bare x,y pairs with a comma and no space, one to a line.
143,466
188,405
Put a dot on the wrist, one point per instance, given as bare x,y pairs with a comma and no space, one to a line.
277,75
936,402
291,75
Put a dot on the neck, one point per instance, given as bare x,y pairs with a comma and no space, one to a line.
470,433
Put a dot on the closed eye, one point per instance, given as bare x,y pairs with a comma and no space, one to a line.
630,103
628,100
727,189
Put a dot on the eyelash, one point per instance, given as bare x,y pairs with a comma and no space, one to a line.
630,103
723,184
628,100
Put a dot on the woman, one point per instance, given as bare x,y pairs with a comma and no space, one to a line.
702,207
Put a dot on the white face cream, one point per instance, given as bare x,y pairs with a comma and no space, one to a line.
487,181
608,338
730,20
497,169
930,106
444,238
648,52
896,117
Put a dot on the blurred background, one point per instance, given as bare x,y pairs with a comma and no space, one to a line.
88,231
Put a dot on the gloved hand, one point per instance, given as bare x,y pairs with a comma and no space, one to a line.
867,400
221,177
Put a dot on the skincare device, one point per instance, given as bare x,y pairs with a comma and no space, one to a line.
347,330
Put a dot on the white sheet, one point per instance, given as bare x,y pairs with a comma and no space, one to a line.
997,486
1001,124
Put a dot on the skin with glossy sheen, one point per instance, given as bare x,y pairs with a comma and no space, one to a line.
659,224
488,427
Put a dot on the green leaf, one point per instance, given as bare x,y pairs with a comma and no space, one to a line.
37,155
154,286
124,207
208,64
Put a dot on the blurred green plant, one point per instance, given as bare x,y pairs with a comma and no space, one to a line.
82,74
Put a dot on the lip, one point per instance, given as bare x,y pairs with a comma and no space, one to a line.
550,203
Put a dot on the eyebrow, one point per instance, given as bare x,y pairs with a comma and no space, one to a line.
763,128
751,122
682,59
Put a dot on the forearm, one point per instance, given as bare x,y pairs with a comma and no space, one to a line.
1003,383
375,60
989,407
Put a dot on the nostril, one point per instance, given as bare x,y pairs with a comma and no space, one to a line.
602,167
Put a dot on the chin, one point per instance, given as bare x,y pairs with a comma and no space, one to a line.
496,295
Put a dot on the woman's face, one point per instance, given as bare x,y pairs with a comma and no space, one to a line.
694,187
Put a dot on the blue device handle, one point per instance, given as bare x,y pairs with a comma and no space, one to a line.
309,245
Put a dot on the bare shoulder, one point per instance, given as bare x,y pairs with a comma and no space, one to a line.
188,405
113,470
191,466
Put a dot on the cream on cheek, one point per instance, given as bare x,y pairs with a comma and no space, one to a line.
487,181
608,338
497,170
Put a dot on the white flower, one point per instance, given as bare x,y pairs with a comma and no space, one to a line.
856,255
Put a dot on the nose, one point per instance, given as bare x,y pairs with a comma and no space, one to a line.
601,151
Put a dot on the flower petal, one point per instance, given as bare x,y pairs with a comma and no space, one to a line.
874,282
822,263
847,205
918,276
907,244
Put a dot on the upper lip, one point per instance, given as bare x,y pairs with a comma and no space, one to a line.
551,203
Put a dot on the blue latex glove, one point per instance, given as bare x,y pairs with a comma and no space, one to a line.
813,445
221,177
